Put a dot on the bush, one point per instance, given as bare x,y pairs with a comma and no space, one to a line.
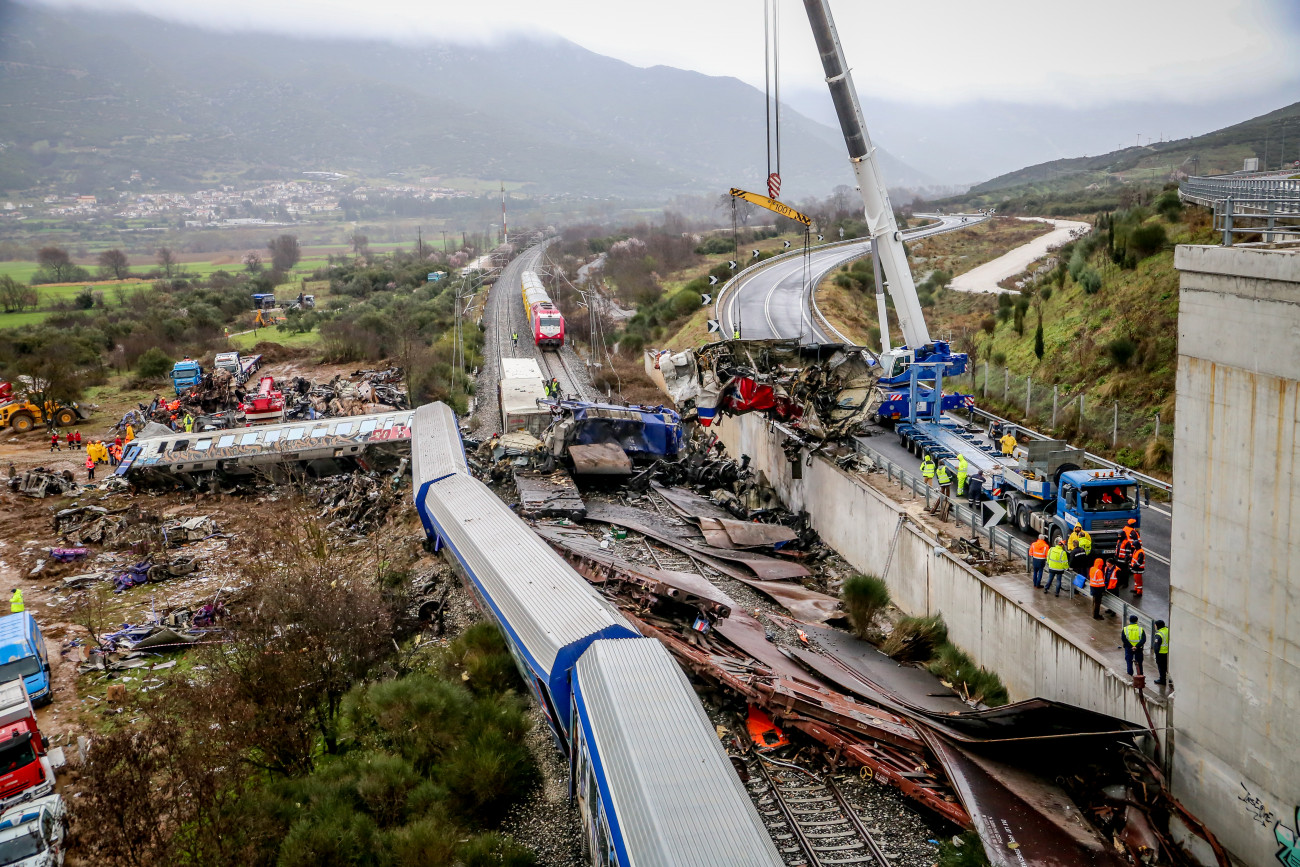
1147,240
915,639
865,596
480,656
1121,350
953,665
1090,280
153,364
988,324
85,299
716,246
1000,358
963,851
1169,205
1038,339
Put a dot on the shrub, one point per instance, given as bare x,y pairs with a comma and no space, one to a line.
480,655
954,666
1121,350
865,596
153,364
1090,280
1147,240
1000,358
1038,339
496,850
429,841
963,851
1169,205
915,639
989,324
85,299
716,246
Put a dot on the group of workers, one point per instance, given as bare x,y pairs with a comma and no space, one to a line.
97,451
552,387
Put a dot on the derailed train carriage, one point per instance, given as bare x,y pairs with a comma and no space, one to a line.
652,782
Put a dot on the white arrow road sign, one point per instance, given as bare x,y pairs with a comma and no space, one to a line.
706,298
713,281
996,514
755,253
731,265
820,237
714,326
785,244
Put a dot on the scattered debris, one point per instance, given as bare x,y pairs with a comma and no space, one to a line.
548,495
40,483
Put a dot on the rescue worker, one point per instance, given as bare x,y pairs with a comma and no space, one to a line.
54,442
735,335
927,470
1112,576
1160,650
16,601
114,455
1057,563
555,387
962,467
1131,531
1080,547
977,485
189,423
1123,554
1134,638
1096,586
90,468
76,438
514,340
1008,441
71,439
1038,559
1137,566
130,433
943,478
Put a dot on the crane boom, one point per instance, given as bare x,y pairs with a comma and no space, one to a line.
885,237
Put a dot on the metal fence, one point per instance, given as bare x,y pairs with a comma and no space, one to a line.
1070,414
995,537
1268,205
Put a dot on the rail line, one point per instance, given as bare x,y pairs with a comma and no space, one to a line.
808,817
557,366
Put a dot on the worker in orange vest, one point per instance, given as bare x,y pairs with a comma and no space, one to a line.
90,468
1123,554
1131,531
1038,559
1112,576
1137,565
1097,586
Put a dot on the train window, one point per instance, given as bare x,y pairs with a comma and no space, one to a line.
343,429
367,426
273,436
296,433
602,842
550,321
249,438
227,440
180,445
320,431
202,445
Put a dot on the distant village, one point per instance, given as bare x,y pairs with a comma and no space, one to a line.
269,204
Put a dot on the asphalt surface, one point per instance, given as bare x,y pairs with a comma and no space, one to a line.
774,302
1156,530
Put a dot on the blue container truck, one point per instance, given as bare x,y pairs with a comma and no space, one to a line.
23,656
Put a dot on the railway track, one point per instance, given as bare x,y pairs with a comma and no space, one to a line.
810,820
554,364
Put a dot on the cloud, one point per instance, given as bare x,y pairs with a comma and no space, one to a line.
942,52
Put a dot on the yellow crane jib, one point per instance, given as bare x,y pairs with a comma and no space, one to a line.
772,205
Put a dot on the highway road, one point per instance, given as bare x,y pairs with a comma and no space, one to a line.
1157,521
773,301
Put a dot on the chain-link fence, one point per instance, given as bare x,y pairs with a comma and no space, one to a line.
1134,438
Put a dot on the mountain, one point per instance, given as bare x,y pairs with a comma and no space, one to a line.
87,98
1216,152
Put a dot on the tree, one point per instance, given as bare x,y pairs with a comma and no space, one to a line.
285,252
57,261
153,363
167,261
360,245
15,296
253,261
1038,337
114,265
55,375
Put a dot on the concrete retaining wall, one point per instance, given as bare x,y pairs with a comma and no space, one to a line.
1032,657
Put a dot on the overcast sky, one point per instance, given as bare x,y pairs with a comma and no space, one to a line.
936,52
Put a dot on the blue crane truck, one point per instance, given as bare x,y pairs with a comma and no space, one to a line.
1042,486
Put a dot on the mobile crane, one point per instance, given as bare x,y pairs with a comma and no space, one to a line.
1042,487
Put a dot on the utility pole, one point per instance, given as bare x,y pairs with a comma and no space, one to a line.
505,230
419,242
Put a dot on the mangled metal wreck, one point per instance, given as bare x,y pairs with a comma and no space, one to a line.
825,390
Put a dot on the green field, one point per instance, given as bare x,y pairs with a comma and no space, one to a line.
245,342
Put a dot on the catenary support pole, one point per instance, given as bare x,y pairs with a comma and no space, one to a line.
1114,435
1055,394
1029,389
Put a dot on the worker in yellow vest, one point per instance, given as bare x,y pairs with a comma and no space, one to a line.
1008,442
1134,638
927,470
1057,564
16,601
1160,650
1080,547
962,471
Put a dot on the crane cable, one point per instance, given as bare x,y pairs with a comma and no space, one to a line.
771,88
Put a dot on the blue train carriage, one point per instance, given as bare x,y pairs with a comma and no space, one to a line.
653,784
436,447
547,612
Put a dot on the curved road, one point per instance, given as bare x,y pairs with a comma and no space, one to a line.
773,301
